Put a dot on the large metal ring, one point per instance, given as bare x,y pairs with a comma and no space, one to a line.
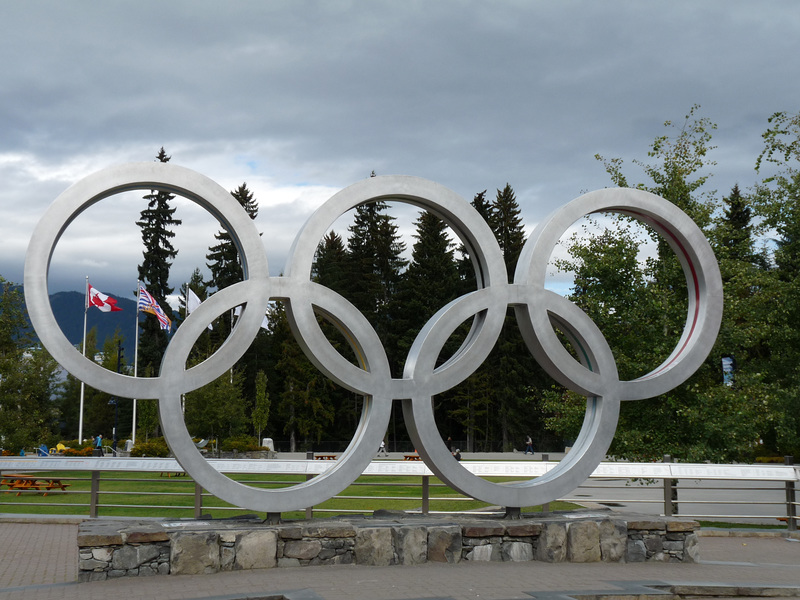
538,310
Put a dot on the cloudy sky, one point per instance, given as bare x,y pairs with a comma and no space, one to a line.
300,99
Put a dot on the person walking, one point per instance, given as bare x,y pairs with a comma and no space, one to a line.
528,445
382,449
98,445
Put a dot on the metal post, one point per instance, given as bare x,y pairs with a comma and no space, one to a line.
113,402
198,500
93,497
546,505
670,493
426,494
310,509
791,499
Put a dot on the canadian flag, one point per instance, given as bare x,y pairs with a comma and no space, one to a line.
101,301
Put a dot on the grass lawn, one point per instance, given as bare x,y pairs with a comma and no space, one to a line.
126,494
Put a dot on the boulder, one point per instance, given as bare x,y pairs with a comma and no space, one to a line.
194,553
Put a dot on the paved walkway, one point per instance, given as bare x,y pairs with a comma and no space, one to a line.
39,561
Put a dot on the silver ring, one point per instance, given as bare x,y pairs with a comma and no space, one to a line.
537,310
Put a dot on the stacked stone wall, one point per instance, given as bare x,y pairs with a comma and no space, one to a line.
124,549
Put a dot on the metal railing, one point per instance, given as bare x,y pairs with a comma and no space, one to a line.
670,488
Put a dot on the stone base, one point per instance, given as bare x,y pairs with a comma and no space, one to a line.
154,547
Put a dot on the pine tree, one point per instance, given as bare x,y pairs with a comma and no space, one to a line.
330,269
330,263
156,222
511,367
260,415
430,282
506,223
302,390
466,269
373,270
224,262
736,227
217,409
225,265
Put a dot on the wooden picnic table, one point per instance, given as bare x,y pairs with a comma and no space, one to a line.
324,457
411,457
22,482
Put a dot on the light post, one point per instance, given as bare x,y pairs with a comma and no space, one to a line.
113,402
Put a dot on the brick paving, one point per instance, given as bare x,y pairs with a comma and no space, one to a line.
39,560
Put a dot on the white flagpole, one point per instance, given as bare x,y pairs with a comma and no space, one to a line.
185,316
85,312
135,361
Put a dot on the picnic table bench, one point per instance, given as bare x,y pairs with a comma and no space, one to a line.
324,457
22,482
411,457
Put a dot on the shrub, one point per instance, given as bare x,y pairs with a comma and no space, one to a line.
155,447
770,459
242,443
85,451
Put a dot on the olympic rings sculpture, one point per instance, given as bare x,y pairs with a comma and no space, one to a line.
538,310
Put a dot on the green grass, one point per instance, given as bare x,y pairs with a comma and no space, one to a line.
156,495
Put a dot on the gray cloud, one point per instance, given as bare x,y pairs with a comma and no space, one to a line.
301,99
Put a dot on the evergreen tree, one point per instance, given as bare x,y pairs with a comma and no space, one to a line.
260,414
198,285
430,282
224,262
511,368
507,226
735,229
156,222
217,409
330,269
373,270
330,263
147,419
503,381
466,269
302,389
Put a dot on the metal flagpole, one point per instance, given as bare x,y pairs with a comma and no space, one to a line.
83,385
135,361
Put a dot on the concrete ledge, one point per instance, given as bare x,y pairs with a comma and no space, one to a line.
753,533
110,548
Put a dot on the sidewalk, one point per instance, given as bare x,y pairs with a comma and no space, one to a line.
39,560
